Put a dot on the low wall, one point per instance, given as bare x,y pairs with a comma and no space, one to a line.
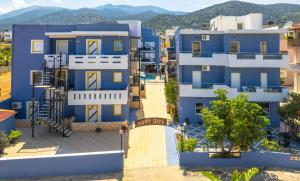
61,165
247,159
8,124
5,104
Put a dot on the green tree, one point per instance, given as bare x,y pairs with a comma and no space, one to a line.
5,56
236,120
271,145
189,145
290,113
171,95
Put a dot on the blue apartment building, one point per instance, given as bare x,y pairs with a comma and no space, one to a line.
238,60
79,71
150,52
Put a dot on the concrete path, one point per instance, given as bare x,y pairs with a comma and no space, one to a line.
147,145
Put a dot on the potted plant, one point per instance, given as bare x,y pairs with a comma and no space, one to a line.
14,135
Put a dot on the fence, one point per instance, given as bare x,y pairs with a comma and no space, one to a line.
61,165
247,159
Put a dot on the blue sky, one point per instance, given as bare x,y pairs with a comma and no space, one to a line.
179,5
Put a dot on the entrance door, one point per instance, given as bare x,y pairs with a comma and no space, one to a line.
61,46
93,113
264,80
93,47
235,80
197,79
92,80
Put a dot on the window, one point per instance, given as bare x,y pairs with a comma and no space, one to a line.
265,108
36,77
147,45
152,55
198,108
152,44
37,46
240,26
234,47
118,76
147,55
196,48
117,110
118,45
263,47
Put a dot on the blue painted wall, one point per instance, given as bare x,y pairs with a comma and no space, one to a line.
251,42
215,75
251,76
8,124
215,44
5,104
148,35
187,110
61,165
221,42
247,159
106,79
107,113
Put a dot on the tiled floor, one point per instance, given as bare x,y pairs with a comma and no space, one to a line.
147,145
45,143
5,85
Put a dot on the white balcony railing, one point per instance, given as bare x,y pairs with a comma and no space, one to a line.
235,60
104,97
98,62
259,94
55,60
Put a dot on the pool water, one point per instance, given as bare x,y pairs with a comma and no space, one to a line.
148,77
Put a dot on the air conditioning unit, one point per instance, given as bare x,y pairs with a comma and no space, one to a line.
205,68
16,105
205,37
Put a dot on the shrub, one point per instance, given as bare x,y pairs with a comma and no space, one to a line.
188,145
3,142
14,135
271,145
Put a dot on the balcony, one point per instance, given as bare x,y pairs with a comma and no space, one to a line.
247,60
295,67
294,42
55,60
251,60
90,62
104,97
256,94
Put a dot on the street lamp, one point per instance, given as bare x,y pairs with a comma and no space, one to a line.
121,134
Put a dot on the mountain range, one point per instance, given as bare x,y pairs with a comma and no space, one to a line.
153,17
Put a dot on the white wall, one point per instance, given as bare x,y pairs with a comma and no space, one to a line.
250,21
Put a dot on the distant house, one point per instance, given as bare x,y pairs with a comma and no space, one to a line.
242,58
6,36
249,22
150,52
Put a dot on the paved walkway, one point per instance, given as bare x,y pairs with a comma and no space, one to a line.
147,145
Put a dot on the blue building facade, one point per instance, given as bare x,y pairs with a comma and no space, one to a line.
150,51
240,61
88,64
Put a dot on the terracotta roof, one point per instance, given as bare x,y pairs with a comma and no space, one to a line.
4,114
